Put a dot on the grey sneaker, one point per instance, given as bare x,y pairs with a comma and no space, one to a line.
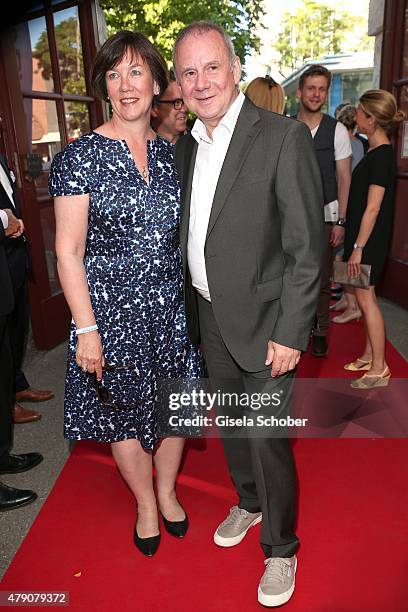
278,582
233,529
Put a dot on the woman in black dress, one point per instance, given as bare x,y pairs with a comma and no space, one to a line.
368,227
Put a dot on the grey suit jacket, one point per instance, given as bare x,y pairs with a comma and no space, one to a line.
265,239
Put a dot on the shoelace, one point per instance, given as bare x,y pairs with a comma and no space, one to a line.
236,515
276,568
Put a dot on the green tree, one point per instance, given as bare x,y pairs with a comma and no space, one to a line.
162,20
70,61
312,31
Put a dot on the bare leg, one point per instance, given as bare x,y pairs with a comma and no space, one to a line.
135,465
167,461
367,301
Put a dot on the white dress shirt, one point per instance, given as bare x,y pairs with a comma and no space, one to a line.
211,153
5,181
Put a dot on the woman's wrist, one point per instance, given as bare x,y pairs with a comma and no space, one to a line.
86,330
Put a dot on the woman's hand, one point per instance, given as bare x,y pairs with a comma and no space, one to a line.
353,264
89,353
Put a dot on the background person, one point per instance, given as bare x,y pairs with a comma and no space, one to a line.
369,224
169,114
10,497
266,93
251,234
117,214
348,302
333,150
17,255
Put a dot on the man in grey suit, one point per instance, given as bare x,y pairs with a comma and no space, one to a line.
252,241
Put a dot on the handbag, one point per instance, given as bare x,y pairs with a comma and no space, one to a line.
341,275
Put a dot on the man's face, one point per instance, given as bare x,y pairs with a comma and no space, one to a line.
169,120
313,93
208,81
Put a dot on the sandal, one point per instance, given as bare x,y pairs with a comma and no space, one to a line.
371,381
354,366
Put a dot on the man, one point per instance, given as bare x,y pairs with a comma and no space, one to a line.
169,114
333,151
16,252
251,235
10,498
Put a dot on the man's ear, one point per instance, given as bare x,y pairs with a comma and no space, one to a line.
237,70
154,112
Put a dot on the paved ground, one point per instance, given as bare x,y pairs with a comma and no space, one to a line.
45,370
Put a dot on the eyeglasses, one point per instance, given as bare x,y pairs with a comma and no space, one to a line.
177,103
103,392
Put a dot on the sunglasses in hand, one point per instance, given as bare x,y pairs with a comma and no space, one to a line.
103,393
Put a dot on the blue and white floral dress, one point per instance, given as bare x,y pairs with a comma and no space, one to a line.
133,267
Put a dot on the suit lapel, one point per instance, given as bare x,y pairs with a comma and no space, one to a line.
247,128
13,204
188,171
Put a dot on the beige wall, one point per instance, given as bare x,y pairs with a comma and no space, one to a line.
375,28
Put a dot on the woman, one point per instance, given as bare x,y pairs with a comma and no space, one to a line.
348,303
117,212
368,227
266,93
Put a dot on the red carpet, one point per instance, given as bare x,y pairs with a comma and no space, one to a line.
352,525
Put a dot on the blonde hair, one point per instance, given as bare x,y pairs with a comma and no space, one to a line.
382,105
266,93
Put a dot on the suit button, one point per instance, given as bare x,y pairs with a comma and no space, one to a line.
218,295
211,255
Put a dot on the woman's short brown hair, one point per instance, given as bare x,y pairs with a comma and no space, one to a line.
116,47
266,93
347,116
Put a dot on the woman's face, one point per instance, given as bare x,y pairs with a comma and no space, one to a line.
131,88
364,123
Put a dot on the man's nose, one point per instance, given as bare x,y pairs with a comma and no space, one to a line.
201,81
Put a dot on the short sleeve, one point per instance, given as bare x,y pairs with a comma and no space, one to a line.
381,167
67,174
342,144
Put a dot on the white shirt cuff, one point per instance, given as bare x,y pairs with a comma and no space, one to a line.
4,219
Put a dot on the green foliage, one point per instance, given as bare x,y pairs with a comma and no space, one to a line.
162,20
315,30
71,68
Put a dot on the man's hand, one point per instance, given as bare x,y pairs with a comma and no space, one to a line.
337,235
15,226
282,358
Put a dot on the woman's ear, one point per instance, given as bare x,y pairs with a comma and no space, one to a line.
156,89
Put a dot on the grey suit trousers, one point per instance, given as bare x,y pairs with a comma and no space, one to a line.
261,466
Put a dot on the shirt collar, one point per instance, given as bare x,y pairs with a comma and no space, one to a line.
228,121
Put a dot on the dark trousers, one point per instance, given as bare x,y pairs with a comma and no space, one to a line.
323,308
261,466
18,326
6,389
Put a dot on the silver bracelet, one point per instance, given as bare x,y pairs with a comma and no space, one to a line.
86,330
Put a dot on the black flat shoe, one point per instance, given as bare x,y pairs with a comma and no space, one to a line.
178,529
147,546
14,464
11,498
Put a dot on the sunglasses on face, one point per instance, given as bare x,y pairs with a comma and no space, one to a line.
177,103
103,392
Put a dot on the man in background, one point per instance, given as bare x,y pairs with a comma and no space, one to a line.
10,498
169,114
333,150
17,254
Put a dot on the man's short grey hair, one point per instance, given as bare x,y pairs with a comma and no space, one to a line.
202,27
